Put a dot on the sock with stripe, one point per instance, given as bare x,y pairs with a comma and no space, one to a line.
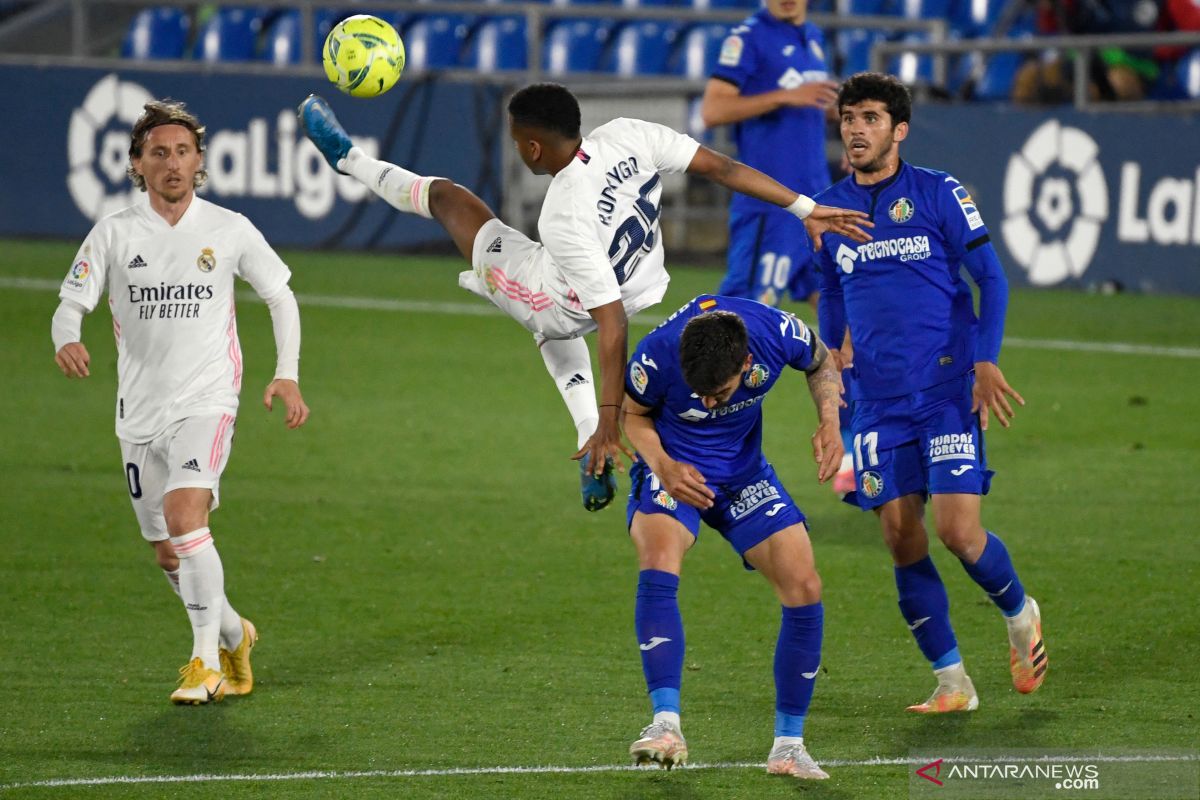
403,190
994,573
202,588
231,621
570,365
660,637
926,609
797,661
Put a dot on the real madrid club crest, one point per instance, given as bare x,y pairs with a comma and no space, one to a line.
207,262
901,210
757,376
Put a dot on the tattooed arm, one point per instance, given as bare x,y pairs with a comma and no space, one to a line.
825,384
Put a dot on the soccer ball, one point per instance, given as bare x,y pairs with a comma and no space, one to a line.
363,56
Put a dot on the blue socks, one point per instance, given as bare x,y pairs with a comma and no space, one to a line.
995,574
797,660
660,637
926,609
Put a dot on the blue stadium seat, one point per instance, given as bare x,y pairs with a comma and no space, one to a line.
971,18
231,34
697,55
282,44
436,41
864,7
651,3
854,48
157,33
1188,73
641,48
705,5
913,68
499,43
923,9
575,45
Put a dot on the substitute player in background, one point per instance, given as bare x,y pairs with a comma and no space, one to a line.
601,256
772,82
693,409
926,373
168,265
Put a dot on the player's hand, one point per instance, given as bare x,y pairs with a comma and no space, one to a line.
828,219
816,94
685,483
605,443
289,392
827,450
73,360
989,395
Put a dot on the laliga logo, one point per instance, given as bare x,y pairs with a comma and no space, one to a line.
1055,200
110,100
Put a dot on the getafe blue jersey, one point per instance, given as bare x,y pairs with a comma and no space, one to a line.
910,312
763,54
724,443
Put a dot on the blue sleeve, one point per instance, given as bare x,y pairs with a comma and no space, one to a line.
831,306
961,223
643,381
738,60
795,339
984,266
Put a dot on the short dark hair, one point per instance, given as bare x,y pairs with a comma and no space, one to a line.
549,106
887,89
154,114
712,349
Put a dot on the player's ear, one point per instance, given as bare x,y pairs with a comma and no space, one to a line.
900,132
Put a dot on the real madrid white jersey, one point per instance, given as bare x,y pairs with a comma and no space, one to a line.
599,221
171,292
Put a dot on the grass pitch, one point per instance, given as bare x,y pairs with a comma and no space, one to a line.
431,596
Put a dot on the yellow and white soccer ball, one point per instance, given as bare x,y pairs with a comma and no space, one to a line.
363,56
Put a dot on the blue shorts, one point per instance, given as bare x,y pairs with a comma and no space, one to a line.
926,443
746,513
769,252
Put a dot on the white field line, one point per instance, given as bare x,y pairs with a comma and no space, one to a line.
560,770
481,309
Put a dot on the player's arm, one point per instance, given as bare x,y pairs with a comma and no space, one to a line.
991,391
285,324
818,219
682,481
612,333
825,386
723,102
66,329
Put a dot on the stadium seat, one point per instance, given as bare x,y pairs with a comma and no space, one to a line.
436,41
971,18
996,83
641,48
697,55
911,67
872,7
854,49
282,44
706,5
157,33
1188,73
924,9
231,34
576,45
499,43
652,3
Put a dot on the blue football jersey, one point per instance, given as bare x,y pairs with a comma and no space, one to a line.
911,315
724,443
763,54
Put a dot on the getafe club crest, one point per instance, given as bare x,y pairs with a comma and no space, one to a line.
757,376
872,484
665,500
901,210
207,262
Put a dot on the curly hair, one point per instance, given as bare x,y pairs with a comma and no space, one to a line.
713,349
154,114
548,106
887,89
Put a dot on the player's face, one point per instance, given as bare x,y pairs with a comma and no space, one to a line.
528,147
169,162
721,396
870,138
788,10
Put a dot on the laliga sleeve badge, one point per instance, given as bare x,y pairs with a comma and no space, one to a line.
207,262
638,377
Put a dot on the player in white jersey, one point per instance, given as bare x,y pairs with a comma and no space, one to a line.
168,265
600,259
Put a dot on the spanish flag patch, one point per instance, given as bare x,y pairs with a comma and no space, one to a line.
705,305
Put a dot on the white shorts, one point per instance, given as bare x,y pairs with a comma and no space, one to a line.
191,453
510,273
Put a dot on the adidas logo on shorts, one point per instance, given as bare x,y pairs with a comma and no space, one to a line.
494,247
192,465
138,261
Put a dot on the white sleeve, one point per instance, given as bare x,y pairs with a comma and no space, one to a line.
67,325
285,321
569,237
86,279
671,150
258,264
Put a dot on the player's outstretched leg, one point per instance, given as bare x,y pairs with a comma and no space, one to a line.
926,610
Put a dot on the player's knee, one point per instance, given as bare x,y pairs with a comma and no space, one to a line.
801,590
965,540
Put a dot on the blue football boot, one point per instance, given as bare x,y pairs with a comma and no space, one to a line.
323,130
597,492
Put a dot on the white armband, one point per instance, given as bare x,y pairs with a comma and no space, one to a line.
285,322
67,325
802,206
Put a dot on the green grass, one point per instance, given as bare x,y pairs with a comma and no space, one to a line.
431,596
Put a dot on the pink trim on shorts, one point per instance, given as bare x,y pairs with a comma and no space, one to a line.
218,445
538,301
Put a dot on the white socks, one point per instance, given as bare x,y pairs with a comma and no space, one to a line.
202,588
570,365
786,741
231,621
403,190
669,716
